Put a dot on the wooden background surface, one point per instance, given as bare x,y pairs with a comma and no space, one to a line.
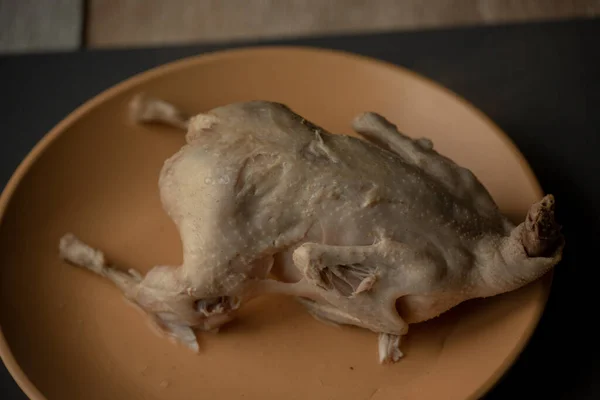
51,25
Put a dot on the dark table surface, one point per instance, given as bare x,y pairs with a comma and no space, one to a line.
539,82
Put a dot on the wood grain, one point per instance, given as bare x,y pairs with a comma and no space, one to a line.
40,25
157,22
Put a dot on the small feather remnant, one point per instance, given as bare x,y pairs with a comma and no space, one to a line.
366,284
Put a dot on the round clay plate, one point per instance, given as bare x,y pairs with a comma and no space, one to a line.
68,334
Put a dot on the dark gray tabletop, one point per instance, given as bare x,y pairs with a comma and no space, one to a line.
539,82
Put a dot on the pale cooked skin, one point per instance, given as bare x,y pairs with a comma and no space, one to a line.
379,233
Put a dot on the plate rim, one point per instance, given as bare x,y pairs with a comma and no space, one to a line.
17,373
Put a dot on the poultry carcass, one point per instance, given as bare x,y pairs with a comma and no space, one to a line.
378,233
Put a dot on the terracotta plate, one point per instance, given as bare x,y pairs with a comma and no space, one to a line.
68,334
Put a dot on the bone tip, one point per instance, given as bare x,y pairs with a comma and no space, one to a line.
194,346
74,251
548,202
387,358
542,235
66,243
68,248
137,107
